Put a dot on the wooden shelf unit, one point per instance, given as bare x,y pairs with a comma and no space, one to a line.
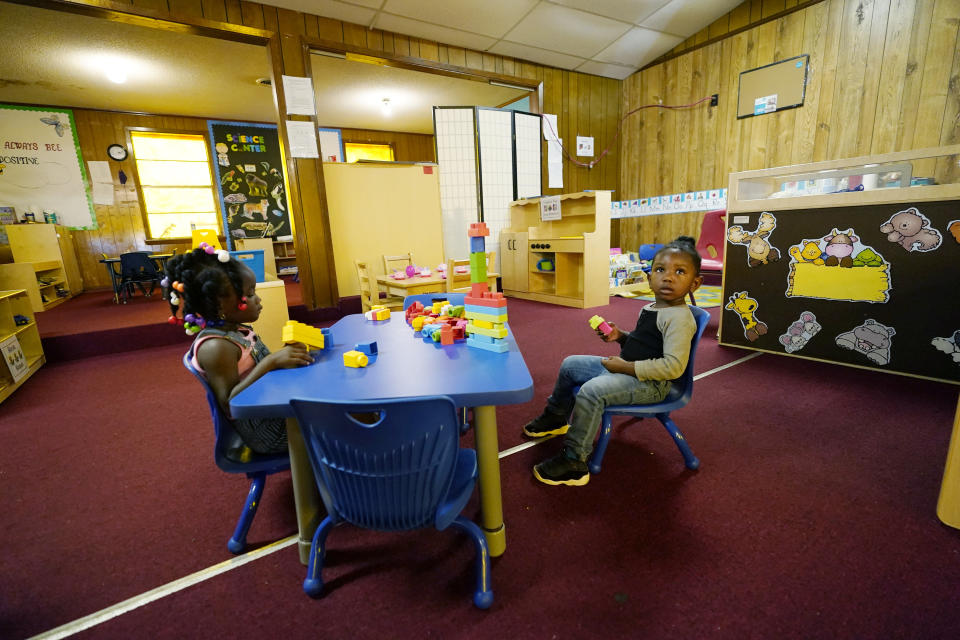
18,303
285,253
578,245
44,259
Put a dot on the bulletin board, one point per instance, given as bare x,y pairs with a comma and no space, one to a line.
40,165
250,180
844,285
773,87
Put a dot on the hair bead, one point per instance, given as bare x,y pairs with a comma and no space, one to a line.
243,304
223,255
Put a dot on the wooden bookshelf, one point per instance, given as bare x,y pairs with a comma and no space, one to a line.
285,253
13,303
44,264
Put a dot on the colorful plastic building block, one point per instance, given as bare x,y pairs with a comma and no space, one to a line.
295,331
478,229
596,322
446,334
498,346
369,348
377,312
355,359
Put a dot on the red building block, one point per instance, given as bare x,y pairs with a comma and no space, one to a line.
478,229
446,334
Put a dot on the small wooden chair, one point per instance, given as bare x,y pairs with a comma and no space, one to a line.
451,285
370,292
394,263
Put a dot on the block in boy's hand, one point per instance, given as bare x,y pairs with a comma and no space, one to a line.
599,324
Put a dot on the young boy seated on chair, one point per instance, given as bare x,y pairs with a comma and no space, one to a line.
651,356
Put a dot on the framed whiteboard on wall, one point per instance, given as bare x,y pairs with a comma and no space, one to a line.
331,145
40,167
773,87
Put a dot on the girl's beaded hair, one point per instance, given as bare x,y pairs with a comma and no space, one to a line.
197,279
687,245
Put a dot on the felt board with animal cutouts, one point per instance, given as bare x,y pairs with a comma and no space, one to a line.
250,179
872,286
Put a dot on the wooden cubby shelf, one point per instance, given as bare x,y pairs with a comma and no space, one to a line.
44,261
14,303
577,245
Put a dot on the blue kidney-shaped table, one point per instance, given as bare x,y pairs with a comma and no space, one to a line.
404,367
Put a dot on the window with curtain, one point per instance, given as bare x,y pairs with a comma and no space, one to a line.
363,151
175,182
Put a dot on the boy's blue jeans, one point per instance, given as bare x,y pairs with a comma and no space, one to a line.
598,389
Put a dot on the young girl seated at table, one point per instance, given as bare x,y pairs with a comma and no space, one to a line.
651,356
219,300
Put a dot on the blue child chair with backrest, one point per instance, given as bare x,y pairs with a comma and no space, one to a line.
428,298
227,451
402,470
678,397
137,268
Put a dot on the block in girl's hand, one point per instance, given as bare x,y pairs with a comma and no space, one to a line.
596,322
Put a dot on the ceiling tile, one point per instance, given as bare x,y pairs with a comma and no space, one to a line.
606,70
557,28
686,17
494,19
542,56
330,9
638,47
627,10
406,26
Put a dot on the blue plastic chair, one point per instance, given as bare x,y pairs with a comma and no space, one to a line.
404,471
227,440
677,398
428,298
137,268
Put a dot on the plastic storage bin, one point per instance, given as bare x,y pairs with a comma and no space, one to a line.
253,258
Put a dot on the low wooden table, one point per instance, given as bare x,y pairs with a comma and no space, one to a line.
433,283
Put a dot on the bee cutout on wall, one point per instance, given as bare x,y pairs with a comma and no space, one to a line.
54,121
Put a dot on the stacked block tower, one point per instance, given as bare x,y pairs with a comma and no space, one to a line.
486,311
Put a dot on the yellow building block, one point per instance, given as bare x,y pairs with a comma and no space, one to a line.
375,313
417,323
295,331
487,317
499,331
483,324
596,321
355,359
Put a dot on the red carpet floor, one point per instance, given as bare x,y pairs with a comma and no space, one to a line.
812,515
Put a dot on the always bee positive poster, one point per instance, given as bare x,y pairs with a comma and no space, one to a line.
249,168
40,168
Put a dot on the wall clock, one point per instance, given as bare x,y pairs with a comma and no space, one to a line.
117,152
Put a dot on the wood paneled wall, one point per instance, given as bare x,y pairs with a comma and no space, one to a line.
407,147
749,13
120,226
884,76
586,105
